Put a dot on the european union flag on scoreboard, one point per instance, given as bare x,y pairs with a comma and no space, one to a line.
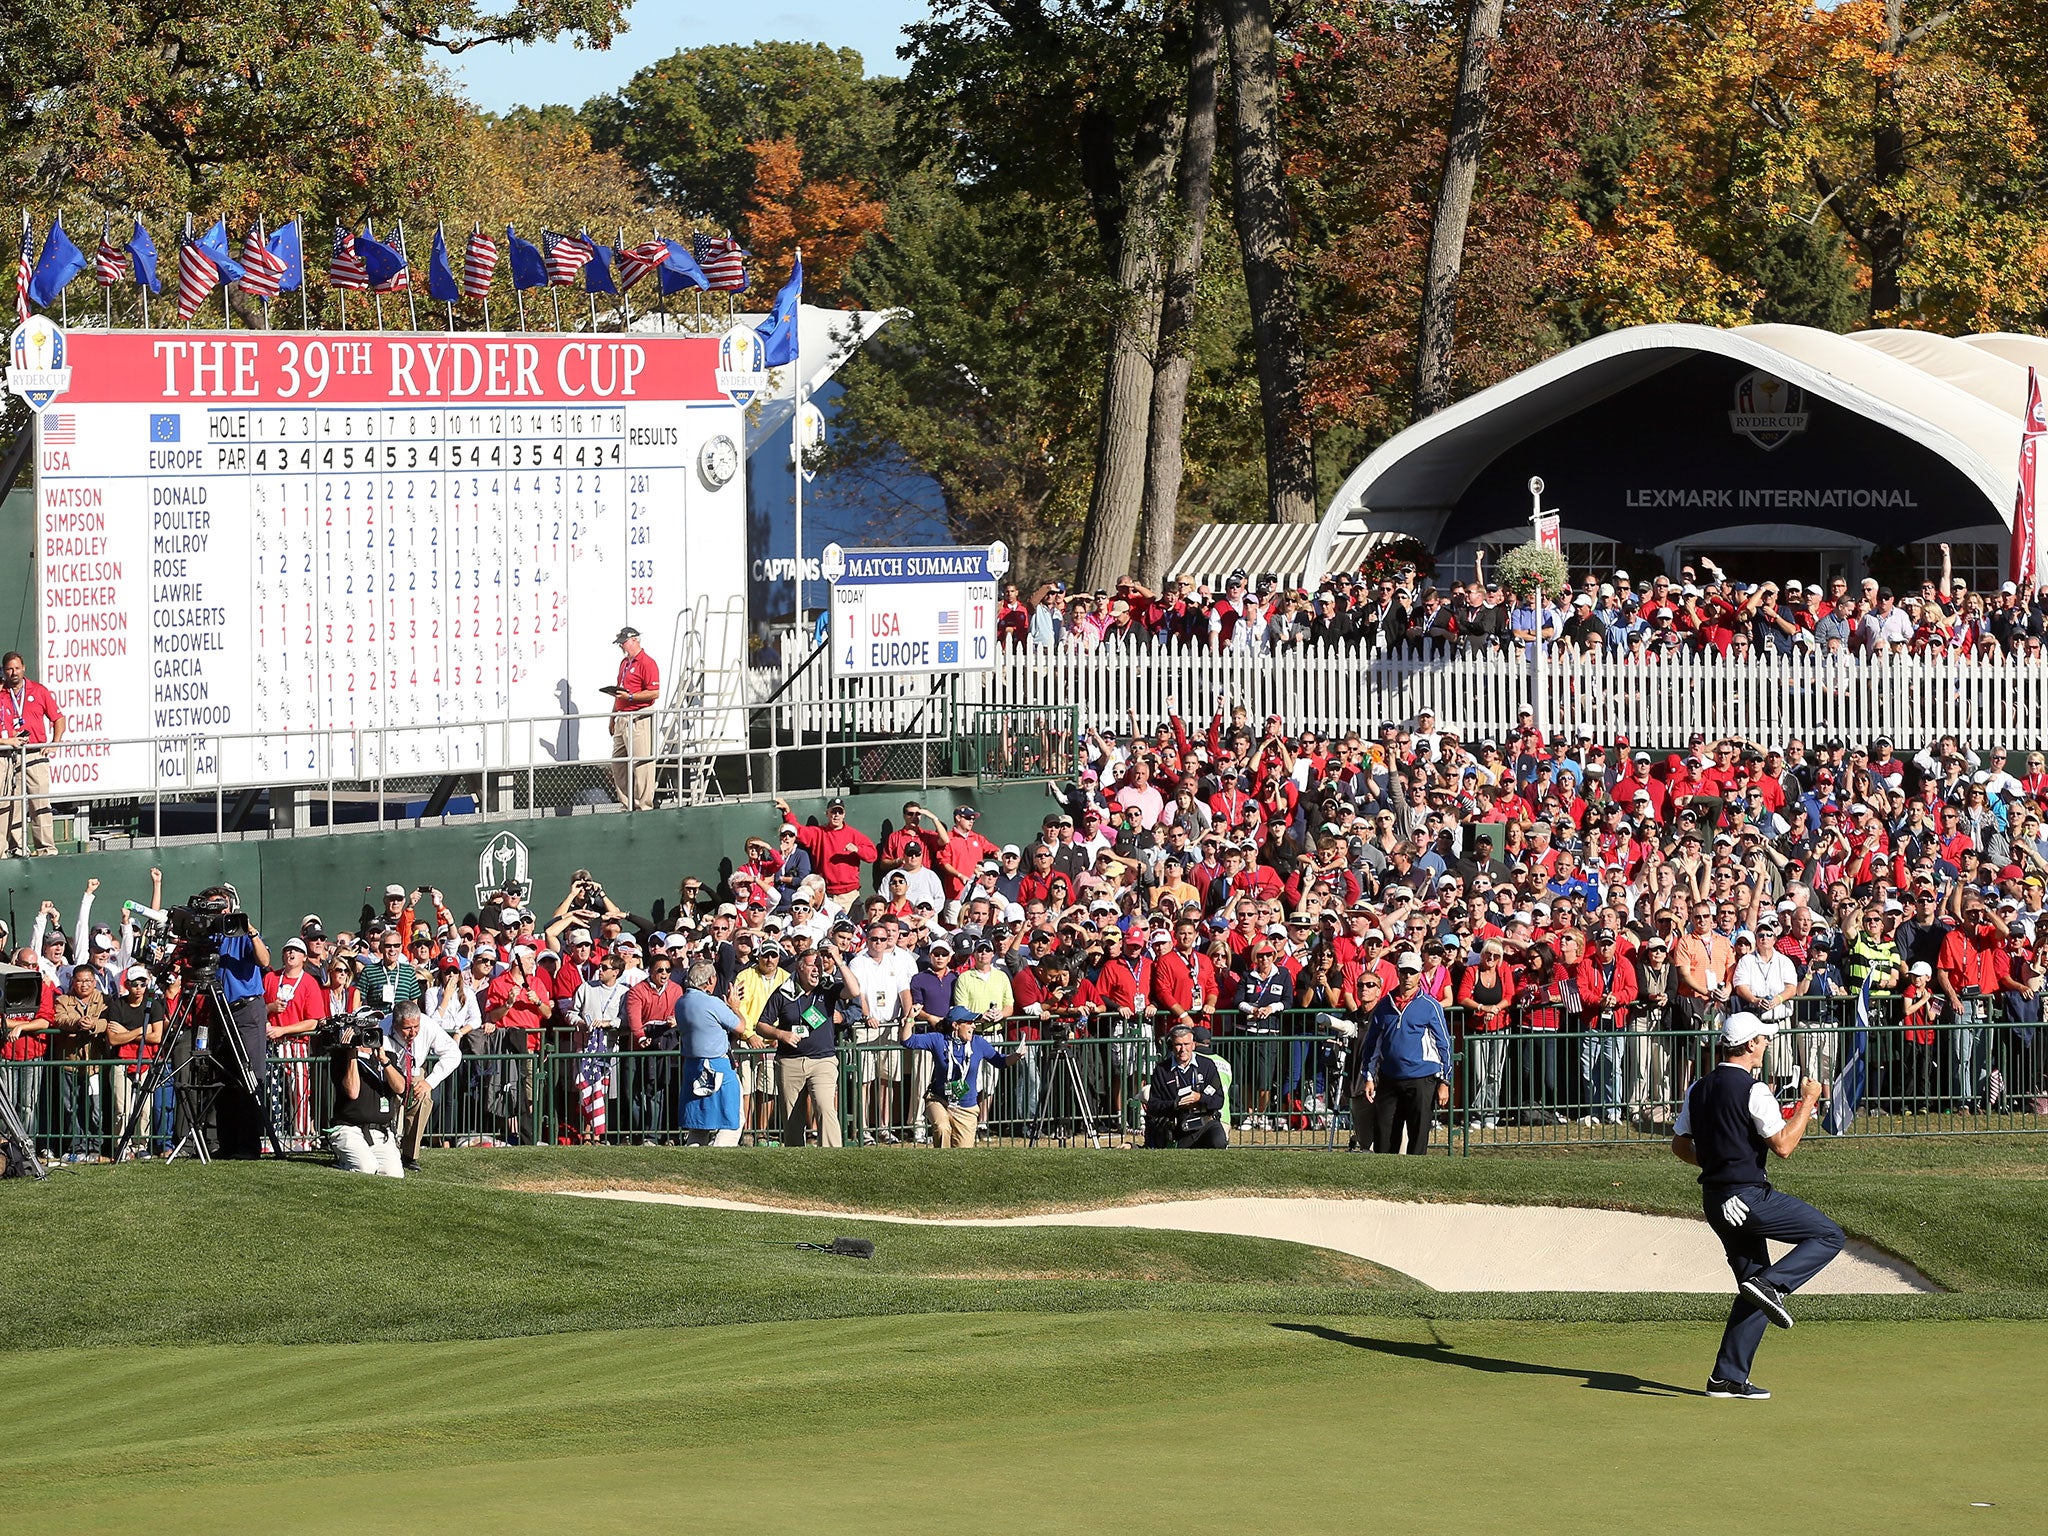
164,428
949,653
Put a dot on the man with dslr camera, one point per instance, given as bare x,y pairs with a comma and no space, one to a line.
1184,1104
368,1089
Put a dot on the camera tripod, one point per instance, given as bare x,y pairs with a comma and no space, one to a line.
18,1133
1063,1071
192,1073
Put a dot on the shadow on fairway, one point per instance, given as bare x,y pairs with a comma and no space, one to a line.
1439,1353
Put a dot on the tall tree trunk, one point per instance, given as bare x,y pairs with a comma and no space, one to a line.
1262,233
1127,215
1462,147
1164,459
1885,240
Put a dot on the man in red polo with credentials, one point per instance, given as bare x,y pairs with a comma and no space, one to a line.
633,697
30,723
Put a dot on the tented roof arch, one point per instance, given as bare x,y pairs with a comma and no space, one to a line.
1414,478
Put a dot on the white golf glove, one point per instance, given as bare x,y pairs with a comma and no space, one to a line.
1733,1211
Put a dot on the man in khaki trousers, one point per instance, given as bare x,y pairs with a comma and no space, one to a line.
805,1022
633,697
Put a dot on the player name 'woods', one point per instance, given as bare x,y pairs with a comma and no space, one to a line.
415,370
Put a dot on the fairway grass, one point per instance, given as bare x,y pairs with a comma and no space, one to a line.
1003,1422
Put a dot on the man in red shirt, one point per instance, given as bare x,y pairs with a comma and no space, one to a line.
961,850
1967,969
649,1097
633,699
1184,979
517,1005
30,721
837,852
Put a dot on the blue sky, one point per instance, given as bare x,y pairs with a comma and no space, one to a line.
498,78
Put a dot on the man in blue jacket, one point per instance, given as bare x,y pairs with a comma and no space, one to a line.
1405,1064
953,1098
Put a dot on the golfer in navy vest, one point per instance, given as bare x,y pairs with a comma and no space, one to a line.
1727,1124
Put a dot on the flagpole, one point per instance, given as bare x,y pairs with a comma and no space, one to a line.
340,235
21,273
477,230
305,312
796,434
181,268
64,293
412,309
554,294
626,293
106,238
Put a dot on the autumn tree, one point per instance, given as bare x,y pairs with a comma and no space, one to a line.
828,219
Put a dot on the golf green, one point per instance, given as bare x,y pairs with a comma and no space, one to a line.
1008,1422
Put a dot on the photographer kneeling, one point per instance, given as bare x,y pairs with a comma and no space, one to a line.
1184,1104
368,1089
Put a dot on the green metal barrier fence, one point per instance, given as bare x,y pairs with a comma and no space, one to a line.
1002,742
1521,1086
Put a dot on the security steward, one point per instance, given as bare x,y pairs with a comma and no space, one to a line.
1184,1104
1727,1123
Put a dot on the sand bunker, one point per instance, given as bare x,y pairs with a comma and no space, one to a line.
1446,1247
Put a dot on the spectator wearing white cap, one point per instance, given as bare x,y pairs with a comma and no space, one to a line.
295,1002
135,1022
1404,1061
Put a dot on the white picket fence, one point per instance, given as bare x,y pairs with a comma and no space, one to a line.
1767,699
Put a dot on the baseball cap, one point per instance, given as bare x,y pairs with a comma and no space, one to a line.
294,943
1741,1028
394,890
102,943
1409,961
627,633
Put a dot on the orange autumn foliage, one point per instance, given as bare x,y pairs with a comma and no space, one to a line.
829,219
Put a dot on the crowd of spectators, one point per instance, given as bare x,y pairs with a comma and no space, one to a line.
1583,914
1700,611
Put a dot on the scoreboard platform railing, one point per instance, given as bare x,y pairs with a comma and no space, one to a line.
371,777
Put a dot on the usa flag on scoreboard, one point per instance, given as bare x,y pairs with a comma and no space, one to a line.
263,269
109,266
724,263
59,430
567,256
479,262
345,269
949,623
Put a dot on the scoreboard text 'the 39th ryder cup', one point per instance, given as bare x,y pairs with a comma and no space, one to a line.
300,539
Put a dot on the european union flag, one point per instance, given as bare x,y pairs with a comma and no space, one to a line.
382,261
597,272
164,428
60,262
284,245
680,271
778,336
215,243
529,267
441,282
143,249
1847,1090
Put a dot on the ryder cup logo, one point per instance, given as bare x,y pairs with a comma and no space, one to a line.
503,859
35,362
1767,410
742,370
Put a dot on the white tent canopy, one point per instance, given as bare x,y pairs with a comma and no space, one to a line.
1961,400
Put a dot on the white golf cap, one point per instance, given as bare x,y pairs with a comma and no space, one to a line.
1408,961
1741,1028
394,890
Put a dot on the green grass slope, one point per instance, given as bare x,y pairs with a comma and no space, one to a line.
1020,1424
259,1253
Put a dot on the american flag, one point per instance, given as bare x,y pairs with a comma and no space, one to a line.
109,264
59,430
636,261
345,269
479,261
567,256
197,277
949,623
723,262
263,272
24,271
593,1076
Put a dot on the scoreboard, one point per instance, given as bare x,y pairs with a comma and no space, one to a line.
375,554
914,610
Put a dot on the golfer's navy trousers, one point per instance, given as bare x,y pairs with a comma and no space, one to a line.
1772,1214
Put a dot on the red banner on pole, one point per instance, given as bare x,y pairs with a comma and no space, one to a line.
1547,531
2025,536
